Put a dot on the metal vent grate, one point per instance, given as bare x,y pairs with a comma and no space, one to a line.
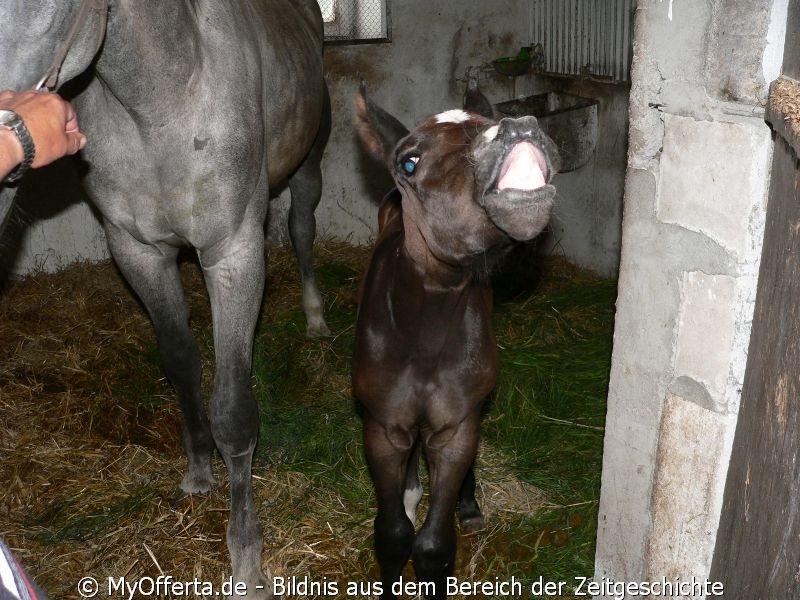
584,37
355,20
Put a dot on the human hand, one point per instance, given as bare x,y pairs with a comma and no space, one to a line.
51,121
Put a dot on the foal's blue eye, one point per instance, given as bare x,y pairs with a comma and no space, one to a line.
410,164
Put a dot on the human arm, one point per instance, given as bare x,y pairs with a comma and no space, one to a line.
51,122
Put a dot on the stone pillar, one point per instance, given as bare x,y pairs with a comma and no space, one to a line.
698,169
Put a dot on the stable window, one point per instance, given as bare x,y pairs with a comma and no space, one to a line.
589,38
350,21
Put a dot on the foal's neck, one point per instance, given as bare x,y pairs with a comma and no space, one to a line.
436,273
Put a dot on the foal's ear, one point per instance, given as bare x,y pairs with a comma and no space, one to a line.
379,131
475,102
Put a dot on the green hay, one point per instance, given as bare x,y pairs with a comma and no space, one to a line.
67,520
309,419
100,426
548,414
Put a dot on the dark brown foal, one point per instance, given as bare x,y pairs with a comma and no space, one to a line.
425,355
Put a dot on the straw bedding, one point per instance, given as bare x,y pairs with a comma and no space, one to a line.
90,445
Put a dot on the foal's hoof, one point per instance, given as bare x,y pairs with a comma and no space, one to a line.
472,524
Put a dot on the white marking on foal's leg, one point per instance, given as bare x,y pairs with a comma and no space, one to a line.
411,498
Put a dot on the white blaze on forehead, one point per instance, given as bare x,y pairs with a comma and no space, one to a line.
491,133
453,116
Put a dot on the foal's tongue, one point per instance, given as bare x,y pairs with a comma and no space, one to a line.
521,169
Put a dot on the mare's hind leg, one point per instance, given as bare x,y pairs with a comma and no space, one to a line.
234,273
394,531
450,454
306,189
469,513
154,276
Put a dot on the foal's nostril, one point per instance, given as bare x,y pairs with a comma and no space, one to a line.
507,130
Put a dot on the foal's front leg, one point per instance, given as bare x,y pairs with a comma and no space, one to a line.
388,458
450,452
234,275
469,512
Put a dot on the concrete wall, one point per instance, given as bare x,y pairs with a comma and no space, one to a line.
587,222
693,223
52,224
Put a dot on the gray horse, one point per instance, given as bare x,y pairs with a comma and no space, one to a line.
193,109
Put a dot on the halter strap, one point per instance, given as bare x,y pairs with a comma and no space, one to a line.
50,78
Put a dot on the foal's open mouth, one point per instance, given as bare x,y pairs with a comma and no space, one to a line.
523,168
520,199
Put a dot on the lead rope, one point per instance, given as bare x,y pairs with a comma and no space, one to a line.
50,78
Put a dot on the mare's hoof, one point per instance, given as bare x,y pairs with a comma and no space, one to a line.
317,329
194,483
258,589
472,524
180,497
